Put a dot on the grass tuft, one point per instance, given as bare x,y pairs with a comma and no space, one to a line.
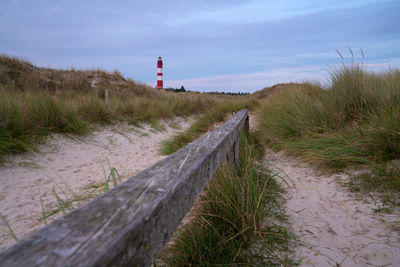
235,219
354,121
60,202
114,175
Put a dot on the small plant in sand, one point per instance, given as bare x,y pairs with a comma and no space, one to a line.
65,202
114,176
10,230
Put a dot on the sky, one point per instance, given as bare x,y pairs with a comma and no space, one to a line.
206,45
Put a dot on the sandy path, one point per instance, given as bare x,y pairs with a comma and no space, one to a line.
74,166
334,228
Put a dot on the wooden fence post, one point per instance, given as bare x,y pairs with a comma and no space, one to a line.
107,100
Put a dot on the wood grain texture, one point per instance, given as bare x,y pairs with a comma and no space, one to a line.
129,225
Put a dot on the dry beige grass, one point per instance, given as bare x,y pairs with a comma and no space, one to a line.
38,101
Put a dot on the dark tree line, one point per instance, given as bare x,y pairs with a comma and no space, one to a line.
176,90
182,89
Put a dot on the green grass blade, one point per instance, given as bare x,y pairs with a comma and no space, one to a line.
106,180
12,234
59,200
114,174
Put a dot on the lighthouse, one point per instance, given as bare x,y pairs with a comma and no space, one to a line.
159,74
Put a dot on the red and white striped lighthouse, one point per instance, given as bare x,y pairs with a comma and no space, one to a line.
159,74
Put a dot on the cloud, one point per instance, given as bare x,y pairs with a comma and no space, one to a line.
252,81
199,39
269,11
255,81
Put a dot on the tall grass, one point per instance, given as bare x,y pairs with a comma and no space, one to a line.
355,121
236,211
36,102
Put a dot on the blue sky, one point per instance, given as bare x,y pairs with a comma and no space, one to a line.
206,45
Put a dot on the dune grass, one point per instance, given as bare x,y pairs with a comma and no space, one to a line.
355,121
236,219
37,101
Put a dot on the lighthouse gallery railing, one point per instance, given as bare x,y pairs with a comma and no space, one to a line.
130,224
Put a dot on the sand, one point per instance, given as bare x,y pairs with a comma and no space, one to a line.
334,228
74,167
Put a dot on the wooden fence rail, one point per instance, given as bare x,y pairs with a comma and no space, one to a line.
130,224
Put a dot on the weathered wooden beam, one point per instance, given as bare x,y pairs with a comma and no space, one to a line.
129,225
